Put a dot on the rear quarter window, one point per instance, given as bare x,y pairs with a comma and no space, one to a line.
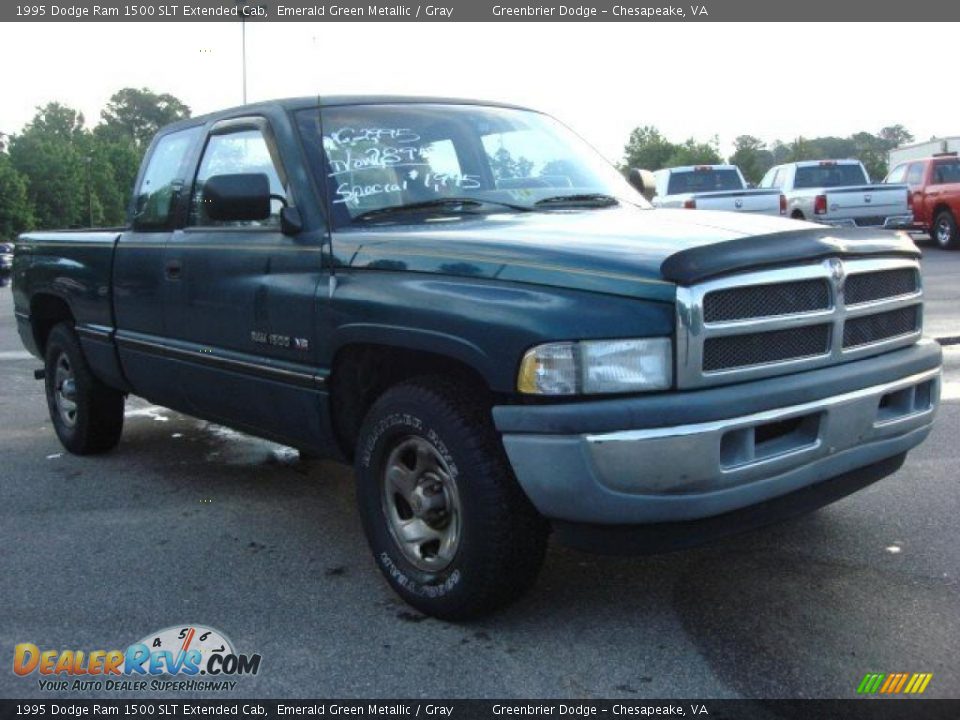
945,173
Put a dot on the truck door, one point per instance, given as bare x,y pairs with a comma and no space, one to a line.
138,272
240,307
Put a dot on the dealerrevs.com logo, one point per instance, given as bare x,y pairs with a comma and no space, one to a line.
183,657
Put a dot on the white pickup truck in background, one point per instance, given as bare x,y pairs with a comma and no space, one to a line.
838,192
712,187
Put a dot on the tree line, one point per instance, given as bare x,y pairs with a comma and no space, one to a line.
647,148
59,173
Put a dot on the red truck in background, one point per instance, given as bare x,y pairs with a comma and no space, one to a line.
934,195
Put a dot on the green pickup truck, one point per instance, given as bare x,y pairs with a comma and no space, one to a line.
493,325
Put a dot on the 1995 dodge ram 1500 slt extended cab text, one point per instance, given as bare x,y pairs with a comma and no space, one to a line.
470,304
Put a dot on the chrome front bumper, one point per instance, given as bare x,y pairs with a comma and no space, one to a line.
700,470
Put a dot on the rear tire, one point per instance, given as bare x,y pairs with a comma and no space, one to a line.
944,230
449,527
86,414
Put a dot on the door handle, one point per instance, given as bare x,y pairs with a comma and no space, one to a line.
172,270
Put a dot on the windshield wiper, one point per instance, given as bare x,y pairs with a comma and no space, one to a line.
581,200
445,203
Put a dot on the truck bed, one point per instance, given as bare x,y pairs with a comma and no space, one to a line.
747,201
866,205
76,265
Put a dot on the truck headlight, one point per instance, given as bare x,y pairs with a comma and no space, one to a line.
597,366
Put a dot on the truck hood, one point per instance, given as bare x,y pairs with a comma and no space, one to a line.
623,251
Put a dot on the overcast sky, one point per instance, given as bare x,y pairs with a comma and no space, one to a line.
603,79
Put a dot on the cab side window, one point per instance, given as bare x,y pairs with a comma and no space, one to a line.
162,179
897,174
774,178
915,175
242,151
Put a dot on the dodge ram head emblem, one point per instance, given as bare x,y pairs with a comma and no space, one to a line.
839,274
738,203
868,198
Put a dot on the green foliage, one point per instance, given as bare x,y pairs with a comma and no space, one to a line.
647,149
693,153
16,215
504,165
752,157
47,153
870,149
896,135
136,115
72,176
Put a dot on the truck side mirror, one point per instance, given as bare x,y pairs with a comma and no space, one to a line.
240,197
643,182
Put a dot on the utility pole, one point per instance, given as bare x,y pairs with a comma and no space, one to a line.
89,160
243,46
243,41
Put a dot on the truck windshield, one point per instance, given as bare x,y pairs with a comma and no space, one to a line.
377,157
703,180
826,176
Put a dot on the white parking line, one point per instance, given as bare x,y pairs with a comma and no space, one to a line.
950,391
15,355
950,387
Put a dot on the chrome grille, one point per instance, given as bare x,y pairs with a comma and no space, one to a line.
874,328
772,322
766,300
865,287
733,351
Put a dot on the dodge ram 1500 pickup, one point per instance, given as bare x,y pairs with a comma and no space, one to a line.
713,187
934,184
482,314
839,193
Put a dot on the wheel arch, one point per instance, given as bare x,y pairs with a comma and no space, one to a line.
362,370
941,207
47,310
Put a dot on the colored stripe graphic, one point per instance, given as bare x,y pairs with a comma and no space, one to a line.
870,683
894,683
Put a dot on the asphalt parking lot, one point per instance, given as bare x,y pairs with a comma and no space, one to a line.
188,522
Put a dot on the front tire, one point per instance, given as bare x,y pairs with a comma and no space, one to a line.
86,414
449,527
944,230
